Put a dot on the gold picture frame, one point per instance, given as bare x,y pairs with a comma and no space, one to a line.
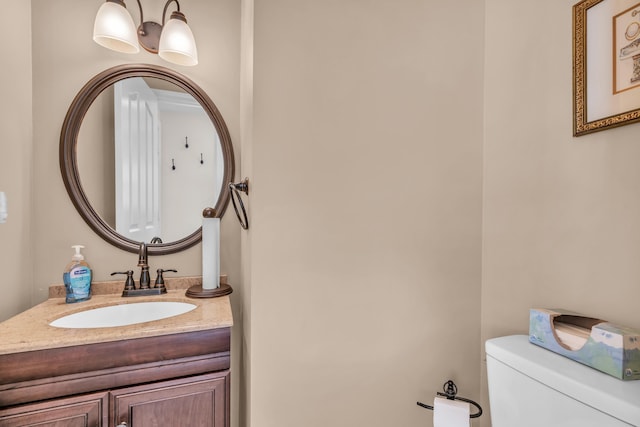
606,64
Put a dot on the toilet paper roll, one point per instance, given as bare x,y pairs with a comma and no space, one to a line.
450,413
210,253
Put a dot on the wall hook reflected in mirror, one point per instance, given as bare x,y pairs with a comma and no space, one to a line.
217,183
186,142
236,188
201,159
173,164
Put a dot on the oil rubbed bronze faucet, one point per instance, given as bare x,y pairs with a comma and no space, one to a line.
145,280
144,287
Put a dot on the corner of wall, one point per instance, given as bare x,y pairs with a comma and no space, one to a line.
16,171
246,169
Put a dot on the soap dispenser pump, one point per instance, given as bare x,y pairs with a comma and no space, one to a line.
77,278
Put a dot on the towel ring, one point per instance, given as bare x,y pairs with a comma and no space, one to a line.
235,194
450,390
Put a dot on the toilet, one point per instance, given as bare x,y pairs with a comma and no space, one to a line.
530,386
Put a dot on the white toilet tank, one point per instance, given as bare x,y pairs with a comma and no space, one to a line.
530,386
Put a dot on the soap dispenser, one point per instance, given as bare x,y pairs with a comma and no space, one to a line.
77,278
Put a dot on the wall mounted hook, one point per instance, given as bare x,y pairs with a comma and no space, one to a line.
186,142
173,164
241,186
201,159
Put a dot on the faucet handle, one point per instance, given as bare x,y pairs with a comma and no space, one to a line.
160,279
129,284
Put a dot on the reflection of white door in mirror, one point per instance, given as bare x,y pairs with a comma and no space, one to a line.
88,163
137,154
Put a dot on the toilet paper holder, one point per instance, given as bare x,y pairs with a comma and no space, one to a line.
450,391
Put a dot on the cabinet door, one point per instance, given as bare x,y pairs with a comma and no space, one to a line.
200,401
80,411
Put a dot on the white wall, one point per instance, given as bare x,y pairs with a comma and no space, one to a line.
191,185
16,165
366,172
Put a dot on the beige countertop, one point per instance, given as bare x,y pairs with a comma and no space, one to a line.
30,330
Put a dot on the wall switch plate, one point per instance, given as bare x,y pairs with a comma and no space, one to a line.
3,207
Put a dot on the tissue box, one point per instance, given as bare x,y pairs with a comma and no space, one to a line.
604,346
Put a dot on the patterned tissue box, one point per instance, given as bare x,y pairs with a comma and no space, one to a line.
597,343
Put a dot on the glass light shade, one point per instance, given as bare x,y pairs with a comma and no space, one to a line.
114,29
177,44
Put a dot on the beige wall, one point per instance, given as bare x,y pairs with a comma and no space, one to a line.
367,277
366,205
64,59
16,145
561,214
96,156
246,139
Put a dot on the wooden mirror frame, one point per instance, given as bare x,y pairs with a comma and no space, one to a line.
69,160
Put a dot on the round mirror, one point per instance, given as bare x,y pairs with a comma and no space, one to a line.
143,150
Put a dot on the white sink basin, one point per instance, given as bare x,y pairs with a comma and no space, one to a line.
123,314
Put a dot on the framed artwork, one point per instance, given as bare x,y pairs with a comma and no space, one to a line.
606,64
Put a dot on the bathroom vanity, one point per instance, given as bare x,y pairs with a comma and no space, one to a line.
170,372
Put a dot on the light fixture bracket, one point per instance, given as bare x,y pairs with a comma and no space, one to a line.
176,14
149,36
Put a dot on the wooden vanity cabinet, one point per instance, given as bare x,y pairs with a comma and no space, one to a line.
79,411
198,401
174,380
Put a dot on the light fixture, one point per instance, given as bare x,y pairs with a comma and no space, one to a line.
173,42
